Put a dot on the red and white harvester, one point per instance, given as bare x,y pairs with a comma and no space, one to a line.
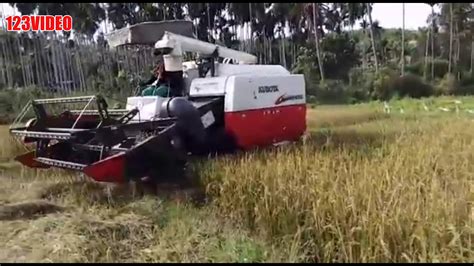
229,102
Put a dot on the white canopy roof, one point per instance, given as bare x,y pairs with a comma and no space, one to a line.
148,33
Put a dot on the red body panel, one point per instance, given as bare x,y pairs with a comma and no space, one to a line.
261,127
28,159
111,169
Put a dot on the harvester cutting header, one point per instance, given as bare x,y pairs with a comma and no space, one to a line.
221,102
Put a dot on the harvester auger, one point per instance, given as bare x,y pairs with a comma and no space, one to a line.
228,102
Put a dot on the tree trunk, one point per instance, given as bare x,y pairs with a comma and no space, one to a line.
209,30
250,28
432,43
10,61
2,65
271,51
53,61
44,59
58,61
65,65
458,51
403,40
284,47
472,56
71,68
371,29
265,50
7,63
450,36
77,57
316,42
293,54
30,63
280,59
23,72
5,58
38,81
425,72
38,55
26,65
364,50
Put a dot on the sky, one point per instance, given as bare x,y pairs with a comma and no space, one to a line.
389,15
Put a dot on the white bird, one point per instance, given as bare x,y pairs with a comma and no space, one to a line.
425,107
457,103
386,107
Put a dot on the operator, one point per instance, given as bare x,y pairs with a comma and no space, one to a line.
163,83
156,85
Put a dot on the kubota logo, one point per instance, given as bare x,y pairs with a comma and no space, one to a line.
267,89
285,98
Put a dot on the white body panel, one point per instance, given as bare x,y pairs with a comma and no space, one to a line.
148,106
256,70
216,86
257,92
204,87
252,87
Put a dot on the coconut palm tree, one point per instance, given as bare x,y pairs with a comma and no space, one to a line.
450,36
403,40
372,39
316,42
432,25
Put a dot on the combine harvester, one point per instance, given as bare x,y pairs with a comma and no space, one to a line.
228,103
